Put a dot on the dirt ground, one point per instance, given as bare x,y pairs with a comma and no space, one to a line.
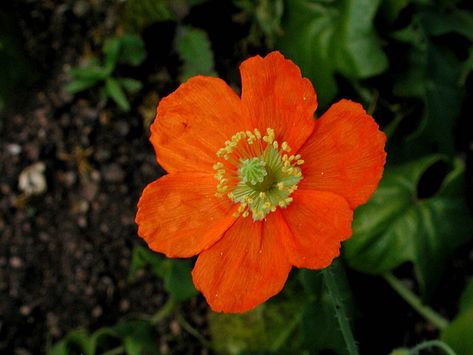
65,253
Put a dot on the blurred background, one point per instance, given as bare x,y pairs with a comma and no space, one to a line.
79,85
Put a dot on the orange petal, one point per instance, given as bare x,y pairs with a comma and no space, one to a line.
194,122
179,215
245,268
275,95
345,154
317,221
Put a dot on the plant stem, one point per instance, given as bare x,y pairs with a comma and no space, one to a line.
411,298
115,351
192,331
342,318
432,344
164,311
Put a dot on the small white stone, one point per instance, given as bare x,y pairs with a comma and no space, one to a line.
14,149
31,180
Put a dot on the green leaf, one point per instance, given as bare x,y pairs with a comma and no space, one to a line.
176,274
297,321
79,339
194,49
132,50
139,14
91,72
395,226
79,85
466,300
130,85
328,38
142,257
268,328
266,17
115,91
111,49
435,75
457,21
392,8
459,334
177,279
137,337
321,326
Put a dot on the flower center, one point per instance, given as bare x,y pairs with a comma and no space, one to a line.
256,172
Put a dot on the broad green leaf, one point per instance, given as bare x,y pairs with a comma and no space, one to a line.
332,37
177,279
176,274
458,21
459,334
395,226
132,50
194,49
435,75
320,326
115,92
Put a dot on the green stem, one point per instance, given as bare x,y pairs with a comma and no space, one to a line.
164,311
192,331
115,351
432,344
340,311
425,311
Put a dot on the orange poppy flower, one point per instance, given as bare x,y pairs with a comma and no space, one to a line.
255,184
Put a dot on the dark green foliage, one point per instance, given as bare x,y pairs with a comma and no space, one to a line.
127,49
396,226
266,20
176,274
434,74
193,47
326,38
459,333
132,337
301,320
137,14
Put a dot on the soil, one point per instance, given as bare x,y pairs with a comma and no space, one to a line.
65,253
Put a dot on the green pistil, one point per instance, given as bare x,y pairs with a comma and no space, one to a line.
252,171
265,183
